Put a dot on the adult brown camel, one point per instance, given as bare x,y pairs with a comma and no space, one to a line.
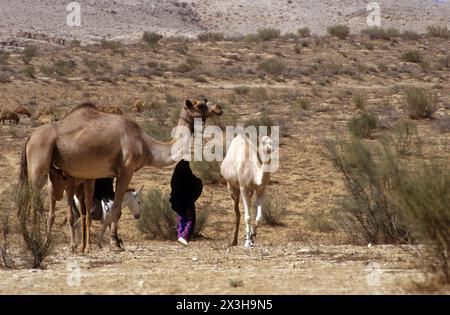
90,144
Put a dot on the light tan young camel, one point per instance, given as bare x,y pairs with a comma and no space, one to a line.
90,144
243,169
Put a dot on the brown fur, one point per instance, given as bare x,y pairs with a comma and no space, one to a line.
7,115
22,110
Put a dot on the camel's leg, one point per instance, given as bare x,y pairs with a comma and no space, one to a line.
122,183
235,195
88,190
247,202
70,191
259,215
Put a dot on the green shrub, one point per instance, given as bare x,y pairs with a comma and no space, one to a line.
4,57
379,33
304,32
339,31
359,101
190,64
114,45
273,66
362,125
267,34
301,103
262,121
29,53
438,31
158,220
241,90
29,71
63,67
413,55
151,38
410,35
405,137
369,211
209,172
419,103
424,195
274,209
211,37
157,131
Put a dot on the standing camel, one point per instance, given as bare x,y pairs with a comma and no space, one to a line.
90,144
243,169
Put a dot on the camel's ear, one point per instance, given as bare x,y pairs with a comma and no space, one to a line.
189,104
140,190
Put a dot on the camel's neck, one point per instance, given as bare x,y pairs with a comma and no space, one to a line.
261,167
161,154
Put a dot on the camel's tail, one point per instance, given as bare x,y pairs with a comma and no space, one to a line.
23,175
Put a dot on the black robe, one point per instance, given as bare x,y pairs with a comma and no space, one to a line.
186,188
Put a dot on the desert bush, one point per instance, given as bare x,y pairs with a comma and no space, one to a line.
419,103
304,32
267,34
273,66
259,94
438,31
63,67
151,38
409,35
380,33
29,71
274,208
114,45
412,55
5,250
241,90
323,223
4,57
405,135
29,53
359,101
171,99
159,132
190,64
158,220
424,195
202,216
300,104
211,37
208,172
98,67
369,212
339,31
32,224
262,121
158,111
362,126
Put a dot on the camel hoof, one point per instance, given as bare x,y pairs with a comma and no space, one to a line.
249,244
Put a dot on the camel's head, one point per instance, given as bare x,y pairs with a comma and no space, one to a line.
202,109
132,199
265,146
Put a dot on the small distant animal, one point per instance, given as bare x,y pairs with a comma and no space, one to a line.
22,110
46,118
138,106
9,116
42,111
111,110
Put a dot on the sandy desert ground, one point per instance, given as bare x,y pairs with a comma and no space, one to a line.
298,257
